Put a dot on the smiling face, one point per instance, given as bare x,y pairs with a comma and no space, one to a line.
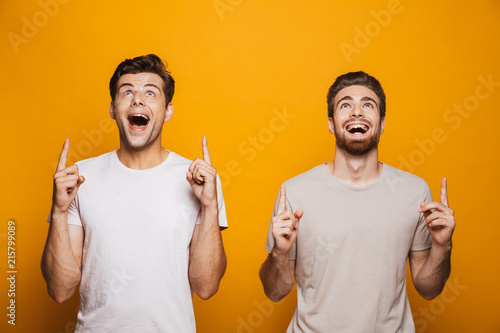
356,121
139,110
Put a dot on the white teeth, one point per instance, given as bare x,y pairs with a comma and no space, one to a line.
355,126
139,115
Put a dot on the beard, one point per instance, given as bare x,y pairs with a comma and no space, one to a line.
357,147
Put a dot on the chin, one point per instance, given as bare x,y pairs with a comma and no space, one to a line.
358,147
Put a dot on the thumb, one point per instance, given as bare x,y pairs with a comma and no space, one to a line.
80,181
189,177
299,213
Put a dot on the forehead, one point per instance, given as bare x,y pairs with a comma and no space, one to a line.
140,80
356,92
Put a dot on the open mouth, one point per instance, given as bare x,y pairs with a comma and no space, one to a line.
138,120
357,128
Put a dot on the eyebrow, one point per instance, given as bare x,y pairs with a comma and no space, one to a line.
131,85
363,99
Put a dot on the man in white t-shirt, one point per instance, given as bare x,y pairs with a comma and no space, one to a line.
138,230
361,220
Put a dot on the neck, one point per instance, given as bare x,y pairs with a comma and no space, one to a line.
357,171
141,159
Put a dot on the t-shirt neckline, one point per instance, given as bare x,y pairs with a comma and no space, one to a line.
337,182
117,161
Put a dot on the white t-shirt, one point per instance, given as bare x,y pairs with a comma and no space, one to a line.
352,249
138,227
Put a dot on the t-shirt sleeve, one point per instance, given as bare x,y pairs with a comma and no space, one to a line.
73,213
270,239
221,205
422,239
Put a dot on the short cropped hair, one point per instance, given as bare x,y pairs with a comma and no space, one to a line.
355,79
149,63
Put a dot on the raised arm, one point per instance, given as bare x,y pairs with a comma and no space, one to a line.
207,262
278,271
61,259
430,269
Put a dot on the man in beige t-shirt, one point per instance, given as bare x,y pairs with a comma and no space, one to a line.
360,221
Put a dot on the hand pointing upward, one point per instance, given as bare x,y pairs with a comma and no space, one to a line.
439,218
67,180
202,176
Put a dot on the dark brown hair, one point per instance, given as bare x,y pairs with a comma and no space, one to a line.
150,63
356,79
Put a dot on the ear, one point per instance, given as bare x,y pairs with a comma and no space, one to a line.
111,111
382,125
331,125
170,112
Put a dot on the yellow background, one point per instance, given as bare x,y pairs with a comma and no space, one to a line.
238,63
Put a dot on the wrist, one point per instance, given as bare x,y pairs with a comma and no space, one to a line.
442,247
57,214
280,255
210,208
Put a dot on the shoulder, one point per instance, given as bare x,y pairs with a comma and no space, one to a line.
176,160
307,178
93,162
406,179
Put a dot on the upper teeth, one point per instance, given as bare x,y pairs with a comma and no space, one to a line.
357,126
140,115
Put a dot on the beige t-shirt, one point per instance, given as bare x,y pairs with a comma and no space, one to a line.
352,248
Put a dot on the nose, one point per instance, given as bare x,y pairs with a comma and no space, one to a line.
357,112
137,99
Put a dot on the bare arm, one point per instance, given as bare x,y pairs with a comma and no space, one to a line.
207,259
207,262
278,272
277,275
431,269
61,259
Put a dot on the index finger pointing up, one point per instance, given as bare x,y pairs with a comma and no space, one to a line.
282,201
63,156
206,154
444,192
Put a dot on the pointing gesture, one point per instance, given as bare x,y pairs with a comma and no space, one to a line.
285,225
206,153
66,182
202,176
439,217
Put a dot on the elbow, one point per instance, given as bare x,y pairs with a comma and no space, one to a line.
274,297
59,297
430,294
207,292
